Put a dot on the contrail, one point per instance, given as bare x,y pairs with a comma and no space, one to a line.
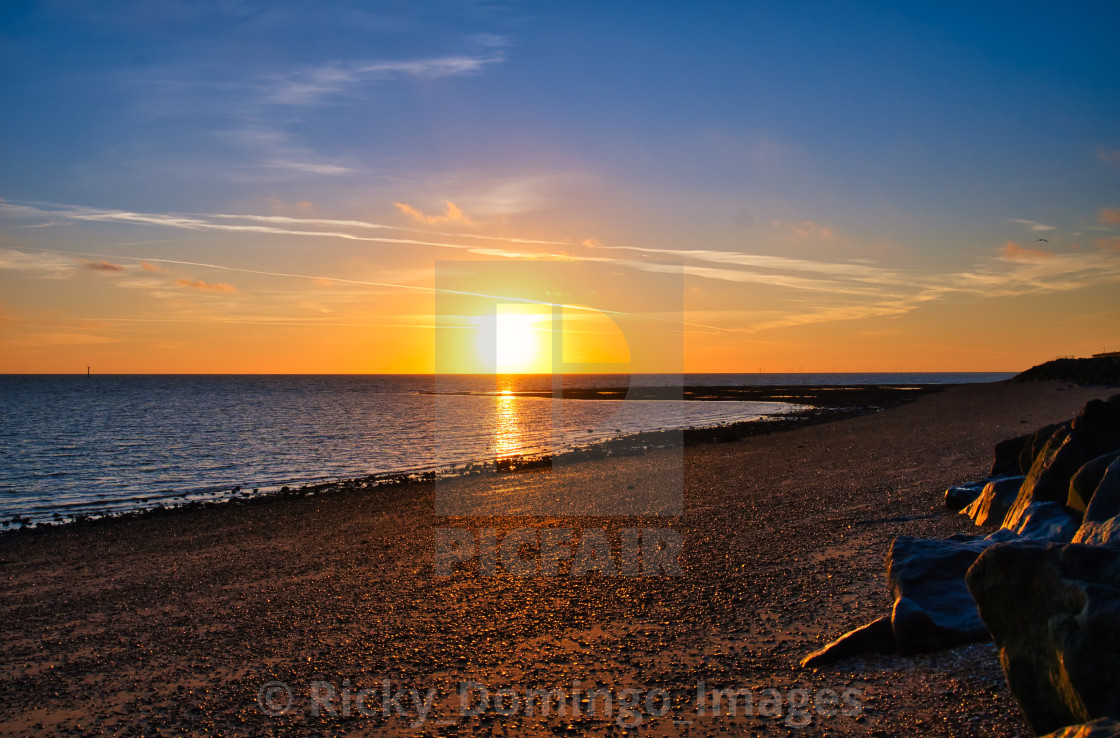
368,283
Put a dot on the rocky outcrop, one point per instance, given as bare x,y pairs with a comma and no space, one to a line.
1061,484
1099,728
932,606
875,637
1104,533
1050,474
1102,371
1105,500
993,503
1033,447
1054,613
1047,521
1007,461
1084,483
1097,426
961,496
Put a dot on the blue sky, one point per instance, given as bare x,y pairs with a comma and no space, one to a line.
939,139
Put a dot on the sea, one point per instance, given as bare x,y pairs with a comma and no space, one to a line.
90,446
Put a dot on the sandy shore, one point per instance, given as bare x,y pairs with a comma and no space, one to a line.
172,623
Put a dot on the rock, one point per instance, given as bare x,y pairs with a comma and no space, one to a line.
876,637
1084,483
962,495
1099,533
1105,502
1099,728
1054,613
1038,439
933,609
1006,462
1097,426
994,501
1049,477
1047,521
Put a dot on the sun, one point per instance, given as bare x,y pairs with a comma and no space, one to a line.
522,340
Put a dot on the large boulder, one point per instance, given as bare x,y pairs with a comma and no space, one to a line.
1099,532
875,637
1099,728
1049,477
1007,458
1033,447
1047,521
1097,426
997,497
1105,502
961,496
1084,483
1054,613
932,608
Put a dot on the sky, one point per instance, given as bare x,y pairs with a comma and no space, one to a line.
259,187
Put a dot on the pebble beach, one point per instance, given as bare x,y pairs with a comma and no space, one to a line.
324,615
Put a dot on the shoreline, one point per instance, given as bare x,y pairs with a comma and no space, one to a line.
174,622
813,404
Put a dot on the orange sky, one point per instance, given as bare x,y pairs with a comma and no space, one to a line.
301,297
188,187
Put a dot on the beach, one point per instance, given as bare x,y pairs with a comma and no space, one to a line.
177,621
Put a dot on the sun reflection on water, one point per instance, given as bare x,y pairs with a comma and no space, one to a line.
507,425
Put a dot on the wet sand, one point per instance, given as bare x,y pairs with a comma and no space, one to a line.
171,623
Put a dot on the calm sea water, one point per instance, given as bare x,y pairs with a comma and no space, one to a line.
73,445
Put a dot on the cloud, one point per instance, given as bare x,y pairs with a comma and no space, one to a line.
1014,252
300,207
47,264
814,290
452,214
150,267
308,167
1108,156
1034,225
224,222
1112,243
102,266
311,85
591,243
198,284
805,229
1109,215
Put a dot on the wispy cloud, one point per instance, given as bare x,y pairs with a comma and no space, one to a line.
271,224
1034,225
813,290
452,214
1108,155
1111,216
1014,252
102,266
310,86
198,284
804,229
